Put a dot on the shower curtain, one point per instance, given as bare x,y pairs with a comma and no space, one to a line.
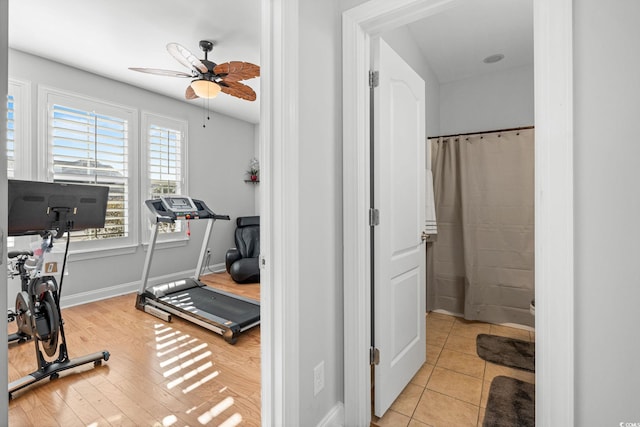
482,264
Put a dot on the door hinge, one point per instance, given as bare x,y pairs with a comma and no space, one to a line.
374,356
374,217
262,262
374,78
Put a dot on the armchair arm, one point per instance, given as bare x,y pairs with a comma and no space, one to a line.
231,256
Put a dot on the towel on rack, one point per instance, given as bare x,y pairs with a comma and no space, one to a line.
431,226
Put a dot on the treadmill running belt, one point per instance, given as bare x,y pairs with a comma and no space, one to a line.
208,301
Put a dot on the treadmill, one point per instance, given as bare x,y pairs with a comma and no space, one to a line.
221,312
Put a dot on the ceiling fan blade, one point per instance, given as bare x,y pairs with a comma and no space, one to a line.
186,58
190,93
236,70
159,72
239,90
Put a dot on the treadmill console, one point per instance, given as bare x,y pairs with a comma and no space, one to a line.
181,207
172,207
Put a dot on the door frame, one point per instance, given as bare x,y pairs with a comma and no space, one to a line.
279,314
4,80
554,271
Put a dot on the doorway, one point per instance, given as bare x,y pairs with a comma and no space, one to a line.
554,251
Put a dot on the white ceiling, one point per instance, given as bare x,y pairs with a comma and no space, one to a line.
106,37
456,41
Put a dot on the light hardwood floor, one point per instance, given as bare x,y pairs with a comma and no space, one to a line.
159,374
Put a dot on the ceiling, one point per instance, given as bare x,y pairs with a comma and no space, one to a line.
106,37
109,36
456,41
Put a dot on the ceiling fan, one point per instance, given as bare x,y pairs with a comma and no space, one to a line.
209,78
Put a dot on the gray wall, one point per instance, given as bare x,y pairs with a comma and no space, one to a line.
492,101
218,156
320,208
607,209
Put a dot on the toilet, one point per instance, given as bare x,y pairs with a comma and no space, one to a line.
532,307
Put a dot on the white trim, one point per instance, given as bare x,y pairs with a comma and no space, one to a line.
98,294
355,176
334,417
148,119
553,74
280,213
48,95
554,199
123,289
21,91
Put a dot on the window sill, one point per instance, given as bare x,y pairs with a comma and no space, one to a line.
87,254
168,243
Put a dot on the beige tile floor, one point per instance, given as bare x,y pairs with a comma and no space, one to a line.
452,387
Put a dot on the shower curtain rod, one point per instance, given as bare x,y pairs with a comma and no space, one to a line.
483,132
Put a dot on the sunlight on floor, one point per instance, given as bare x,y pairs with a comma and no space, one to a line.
208,416
169,420
190,369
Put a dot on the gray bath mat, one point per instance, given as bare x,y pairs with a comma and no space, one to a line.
511,403
507,351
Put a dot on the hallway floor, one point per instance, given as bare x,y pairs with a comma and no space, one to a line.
452,387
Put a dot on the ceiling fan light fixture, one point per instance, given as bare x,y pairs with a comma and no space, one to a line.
205,88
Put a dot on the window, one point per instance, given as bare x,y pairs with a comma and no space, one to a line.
11,136
18,148
164,155
88,142
18,157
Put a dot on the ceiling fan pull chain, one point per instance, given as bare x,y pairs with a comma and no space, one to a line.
204,101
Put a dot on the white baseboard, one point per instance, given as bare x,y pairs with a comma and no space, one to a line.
447,312
334,418
127,288
97,295
510,325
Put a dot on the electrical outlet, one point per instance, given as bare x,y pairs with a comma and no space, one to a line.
318,378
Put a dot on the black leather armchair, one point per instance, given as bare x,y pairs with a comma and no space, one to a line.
242,261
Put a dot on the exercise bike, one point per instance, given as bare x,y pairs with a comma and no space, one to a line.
19,269
37,313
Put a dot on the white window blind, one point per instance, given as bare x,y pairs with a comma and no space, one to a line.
11,148
165,161
11,137
91,148
165,167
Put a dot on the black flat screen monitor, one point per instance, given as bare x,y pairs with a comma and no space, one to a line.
36,207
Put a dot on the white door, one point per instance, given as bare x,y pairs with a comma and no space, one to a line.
399,195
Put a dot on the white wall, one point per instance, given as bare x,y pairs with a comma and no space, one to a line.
607,208
218,156
498,100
